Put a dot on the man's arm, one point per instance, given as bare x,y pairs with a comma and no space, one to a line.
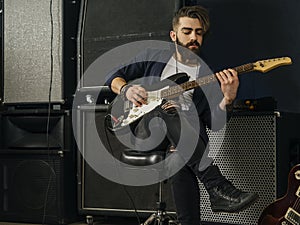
134,93
229,85
117,84
215,116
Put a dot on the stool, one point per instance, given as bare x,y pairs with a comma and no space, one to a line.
140,158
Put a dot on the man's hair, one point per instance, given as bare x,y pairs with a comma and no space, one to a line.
197,12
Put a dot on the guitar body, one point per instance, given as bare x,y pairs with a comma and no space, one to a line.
123,112
275,213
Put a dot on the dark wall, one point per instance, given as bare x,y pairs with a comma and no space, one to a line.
246,31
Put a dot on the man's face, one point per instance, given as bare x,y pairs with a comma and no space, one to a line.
189,34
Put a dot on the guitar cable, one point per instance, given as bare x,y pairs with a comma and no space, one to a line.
106,129
48,117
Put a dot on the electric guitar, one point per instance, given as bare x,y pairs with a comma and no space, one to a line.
123,112
285,210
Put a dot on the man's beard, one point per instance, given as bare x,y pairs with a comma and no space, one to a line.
185,52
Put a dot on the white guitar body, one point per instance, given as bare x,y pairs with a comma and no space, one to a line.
136,112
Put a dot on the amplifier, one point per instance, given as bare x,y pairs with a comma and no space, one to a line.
100,196
37,170
255,151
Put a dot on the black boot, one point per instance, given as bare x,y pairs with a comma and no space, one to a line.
224,197
227,198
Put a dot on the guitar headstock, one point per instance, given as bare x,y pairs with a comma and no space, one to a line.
269,64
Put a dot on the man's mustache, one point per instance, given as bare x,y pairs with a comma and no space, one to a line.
192,43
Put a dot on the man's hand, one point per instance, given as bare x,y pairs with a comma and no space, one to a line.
137,95
134,93
229,85
170,106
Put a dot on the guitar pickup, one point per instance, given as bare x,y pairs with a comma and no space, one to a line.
292,216
127,106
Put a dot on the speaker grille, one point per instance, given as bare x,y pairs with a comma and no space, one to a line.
29,182
37,179
27,50
37,188
247,157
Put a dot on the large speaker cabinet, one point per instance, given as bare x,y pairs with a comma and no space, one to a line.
37,171
29,41
100,196
255,151
39,48
136,21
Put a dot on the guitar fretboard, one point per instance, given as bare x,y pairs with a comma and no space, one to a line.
176,90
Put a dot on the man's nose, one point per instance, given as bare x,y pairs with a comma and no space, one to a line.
193,36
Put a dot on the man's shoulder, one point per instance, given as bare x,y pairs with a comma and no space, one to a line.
157,54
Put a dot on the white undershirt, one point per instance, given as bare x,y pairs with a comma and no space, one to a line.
185,100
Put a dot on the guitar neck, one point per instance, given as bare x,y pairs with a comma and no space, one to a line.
176,90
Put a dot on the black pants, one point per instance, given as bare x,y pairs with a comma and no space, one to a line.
184,183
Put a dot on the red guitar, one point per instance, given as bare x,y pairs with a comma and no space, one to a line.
285,210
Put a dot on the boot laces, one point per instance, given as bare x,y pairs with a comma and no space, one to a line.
230,190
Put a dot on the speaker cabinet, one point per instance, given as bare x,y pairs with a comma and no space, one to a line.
37,171
39,48
136,21
29,41
100,196
255,151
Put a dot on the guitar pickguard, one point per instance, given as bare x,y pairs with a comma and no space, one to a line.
154,100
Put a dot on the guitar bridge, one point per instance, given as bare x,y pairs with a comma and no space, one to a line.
292,216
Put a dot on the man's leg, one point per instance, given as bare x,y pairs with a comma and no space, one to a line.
186,195
224,197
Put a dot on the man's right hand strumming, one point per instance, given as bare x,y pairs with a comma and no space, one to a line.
134,93
137,95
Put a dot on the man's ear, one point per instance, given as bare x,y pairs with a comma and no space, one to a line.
173,35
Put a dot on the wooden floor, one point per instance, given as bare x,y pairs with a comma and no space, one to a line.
77,223
119,222
97,221
10,223
103,221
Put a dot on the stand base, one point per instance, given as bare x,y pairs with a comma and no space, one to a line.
160,218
